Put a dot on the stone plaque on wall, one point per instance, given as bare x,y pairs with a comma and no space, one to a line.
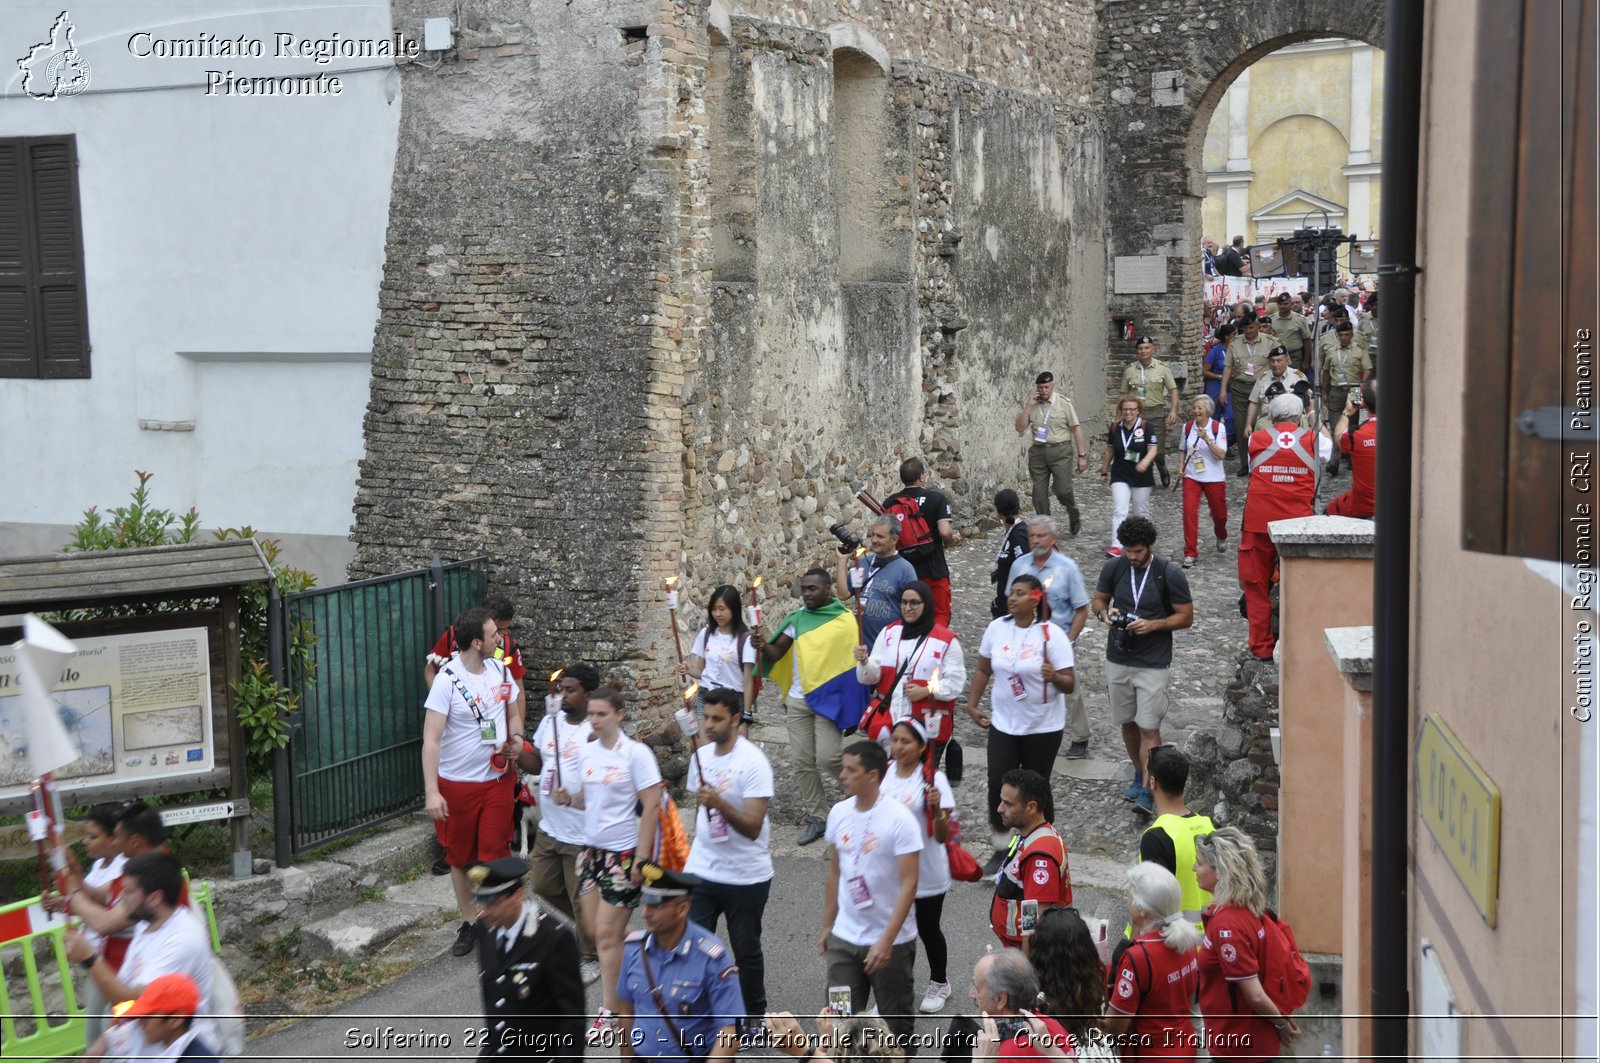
1140,275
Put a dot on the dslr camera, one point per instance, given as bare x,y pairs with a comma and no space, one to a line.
1119,635
849,541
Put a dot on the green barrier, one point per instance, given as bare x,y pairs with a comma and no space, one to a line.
200,895
54,1036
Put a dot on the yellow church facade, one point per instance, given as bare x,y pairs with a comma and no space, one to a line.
1297,141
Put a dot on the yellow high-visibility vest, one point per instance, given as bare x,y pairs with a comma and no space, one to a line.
1183,830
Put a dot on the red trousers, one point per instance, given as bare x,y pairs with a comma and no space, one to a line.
1347,506
941,599
1257,558
1216,500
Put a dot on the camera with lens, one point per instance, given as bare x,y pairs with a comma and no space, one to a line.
1119,635
849,542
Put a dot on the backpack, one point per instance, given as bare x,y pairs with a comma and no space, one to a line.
1124,566
1284,973
916,538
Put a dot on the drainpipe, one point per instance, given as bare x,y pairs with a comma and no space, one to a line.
1391,689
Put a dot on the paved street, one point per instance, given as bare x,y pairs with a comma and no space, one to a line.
440,998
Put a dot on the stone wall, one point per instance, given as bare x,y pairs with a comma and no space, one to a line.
1161,66
664,289
1232,773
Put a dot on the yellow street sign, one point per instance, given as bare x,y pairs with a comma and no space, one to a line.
1461,806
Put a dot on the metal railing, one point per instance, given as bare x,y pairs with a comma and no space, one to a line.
355,746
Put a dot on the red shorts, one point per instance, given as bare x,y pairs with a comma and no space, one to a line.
478,827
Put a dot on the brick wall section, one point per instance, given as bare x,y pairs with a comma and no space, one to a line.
1044,48
1154,180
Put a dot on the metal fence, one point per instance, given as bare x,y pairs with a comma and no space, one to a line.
355,748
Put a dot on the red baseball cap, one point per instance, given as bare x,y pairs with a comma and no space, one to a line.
170,994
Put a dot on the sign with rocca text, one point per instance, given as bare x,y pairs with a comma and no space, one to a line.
1461,806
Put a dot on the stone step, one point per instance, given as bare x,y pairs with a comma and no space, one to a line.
358,930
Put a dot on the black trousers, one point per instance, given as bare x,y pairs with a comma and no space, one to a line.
743,906
928,911
1034,752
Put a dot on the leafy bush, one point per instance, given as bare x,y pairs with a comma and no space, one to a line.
262,704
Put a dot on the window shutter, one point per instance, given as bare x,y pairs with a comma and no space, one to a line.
63,334
17,357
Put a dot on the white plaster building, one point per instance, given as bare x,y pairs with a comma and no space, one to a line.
232,247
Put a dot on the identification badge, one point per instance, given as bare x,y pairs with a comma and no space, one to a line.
1041,433
1018,690
1249,369
716,825
860,892
547,782
487,733
1131,455
1199,464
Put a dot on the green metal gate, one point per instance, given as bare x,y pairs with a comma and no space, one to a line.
354,756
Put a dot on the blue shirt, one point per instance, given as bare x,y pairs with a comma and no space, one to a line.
880,600
1067,594
699,985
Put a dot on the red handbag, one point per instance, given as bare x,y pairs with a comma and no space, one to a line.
964,867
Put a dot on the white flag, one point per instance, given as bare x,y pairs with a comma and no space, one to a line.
41,655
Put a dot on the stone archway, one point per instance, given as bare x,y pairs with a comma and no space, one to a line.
1162,69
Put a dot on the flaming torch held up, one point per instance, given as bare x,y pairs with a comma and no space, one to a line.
553,706
672,615
755,603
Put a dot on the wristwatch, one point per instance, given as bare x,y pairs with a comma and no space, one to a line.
88,965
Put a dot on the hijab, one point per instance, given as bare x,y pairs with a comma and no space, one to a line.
924,623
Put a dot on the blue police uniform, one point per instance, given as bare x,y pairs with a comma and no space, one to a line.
699,984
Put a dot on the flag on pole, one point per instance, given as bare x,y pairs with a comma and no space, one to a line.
41,655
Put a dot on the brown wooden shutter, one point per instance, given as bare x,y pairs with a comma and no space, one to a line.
43,310
1531,235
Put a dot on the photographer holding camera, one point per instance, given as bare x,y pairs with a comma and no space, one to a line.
877,579
1142,613
1003,984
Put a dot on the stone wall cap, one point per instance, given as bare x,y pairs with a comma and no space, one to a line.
1351,650
1323,537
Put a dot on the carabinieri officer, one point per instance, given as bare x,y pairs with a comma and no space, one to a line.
528,962
679,987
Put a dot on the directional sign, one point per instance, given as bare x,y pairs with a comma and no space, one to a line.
1460,805
201,813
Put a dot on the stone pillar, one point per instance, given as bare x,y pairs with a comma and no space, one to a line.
1351,651
1359,170
1326,582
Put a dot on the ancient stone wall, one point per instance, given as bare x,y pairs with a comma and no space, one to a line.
663,289
1161,67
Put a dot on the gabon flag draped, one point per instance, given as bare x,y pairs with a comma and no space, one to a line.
824,643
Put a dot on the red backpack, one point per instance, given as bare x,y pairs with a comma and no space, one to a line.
1284,973
916,538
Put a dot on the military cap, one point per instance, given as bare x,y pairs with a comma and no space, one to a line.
661,884
496,877
1044,377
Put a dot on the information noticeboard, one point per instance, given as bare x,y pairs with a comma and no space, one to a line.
137,706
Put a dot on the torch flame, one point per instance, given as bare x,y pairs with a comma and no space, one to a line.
672,581
756,585
688,695
556,674
933,683
860,550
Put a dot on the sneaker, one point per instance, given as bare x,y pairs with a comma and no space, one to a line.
1077,751
1145,802
440,867
1135,788
1115,551
1188,562
603,1024
933,1000
464,943
590,970
814,829
1222,546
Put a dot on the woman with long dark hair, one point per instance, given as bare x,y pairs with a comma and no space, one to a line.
723,657
1071,976
913,781
1013,545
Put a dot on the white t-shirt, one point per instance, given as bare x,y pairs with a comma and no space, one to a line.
933,868
180,946
720,853
868,844
612,781
463,750
101,873
795,690
1199,463
562,822
1017,704
724,670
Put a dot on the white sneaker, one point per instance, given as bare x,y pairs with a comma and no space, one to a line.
604,1024
590,969
933,1000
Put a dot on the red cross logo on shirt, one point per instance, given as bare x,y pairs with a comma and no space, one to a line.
1285,439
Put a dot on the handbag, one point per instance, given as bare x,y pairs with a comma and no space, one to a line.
964,867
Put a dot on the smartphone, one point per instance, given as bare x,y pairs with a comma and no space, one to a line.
1029,917
839,1001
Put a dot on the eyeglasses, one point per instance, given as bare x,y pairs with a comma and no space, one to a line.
911,601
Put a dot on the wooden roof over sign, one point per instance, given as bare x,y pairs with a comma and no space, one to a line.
106,577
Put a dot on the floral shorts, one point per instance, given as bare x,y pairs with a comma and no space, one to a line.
607,871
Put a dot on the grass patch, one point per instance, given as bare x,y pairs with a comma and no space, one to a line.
371,893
